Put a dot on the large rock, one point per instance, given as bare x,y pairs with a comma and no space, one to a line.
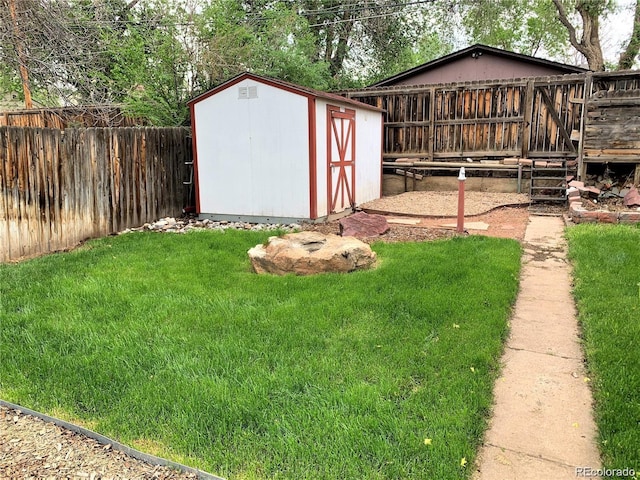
363,225
308,253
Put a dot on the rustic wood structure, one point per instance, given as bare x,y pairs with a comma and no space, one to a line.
69,117
60,187
523,117
576,119
612,121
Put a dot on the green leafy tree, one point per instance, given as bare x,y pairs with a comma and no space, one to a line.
523,26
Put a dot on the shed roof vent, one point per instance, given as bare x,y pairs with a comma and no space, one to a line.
246,93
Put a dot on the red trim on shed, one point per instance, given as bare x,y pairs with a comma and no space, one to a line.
194,149
313,160
337,120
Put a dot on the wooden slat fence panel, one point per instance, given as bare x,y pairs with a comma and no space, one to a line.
60,187
495,119
557,110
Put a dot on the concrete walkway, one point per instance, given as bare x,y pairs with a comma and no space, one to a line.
542,425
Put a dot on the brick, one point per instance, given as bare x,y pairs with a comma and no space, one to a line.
573,193
629,217
607,217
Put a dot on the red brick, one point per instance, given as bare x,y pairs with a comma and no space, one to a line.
629,217
607,217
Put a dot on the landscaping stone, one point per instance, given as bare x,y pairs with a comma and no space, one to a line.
309,253
363,225
183,225
632,199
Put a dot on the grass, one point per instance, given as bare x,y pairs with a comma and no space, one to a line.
171,343
607,291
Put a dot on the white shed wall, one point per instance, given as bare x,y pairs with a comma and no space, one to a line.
368,154
321,158
253,154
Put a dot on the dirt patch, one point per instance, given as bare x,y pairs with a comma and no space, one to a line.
503,222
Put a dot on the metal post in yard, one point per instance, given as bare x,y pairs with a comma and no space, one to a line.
461,179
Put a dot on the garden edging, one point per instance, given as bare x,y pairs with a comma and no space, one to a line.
579,214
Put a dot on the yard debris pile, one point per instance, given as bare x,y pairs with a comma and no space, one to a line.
183,225
605,192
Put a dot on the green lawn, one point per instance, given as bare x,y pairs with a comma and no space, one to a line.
171,343
607,274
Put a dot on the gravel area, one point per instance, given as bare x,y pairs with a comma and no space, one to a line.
444,204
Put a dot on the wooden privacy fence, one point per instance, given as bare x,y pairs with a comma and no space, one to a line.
60,187
524,117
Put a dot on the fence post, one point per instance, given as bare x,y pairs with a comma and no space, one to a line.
527,117
432,123
588,80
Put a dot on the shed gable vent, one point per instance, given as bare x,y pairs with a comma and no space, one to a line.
246,93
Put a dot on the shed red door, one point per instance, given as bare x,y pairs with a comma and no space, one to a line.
341,158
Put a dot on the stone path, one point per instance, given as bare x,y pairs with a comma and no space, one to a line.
542,425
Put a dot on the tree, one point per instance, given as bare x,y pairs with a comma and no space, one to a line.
531,26
589,42
523,26
99,52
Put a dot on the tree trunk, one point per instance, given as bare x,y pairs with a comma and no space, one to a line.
591,35
589,44
22,60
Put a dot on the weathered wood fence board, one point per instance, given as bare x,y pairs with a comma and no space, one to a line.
592,117
60,187
524,117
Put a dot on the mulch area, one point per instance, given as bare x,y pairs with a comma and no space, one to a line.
33,449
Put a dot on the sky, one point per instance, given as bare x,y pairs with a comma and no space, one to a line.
615,30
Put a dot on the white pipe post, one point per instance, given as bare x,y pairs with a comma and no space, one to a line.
461,179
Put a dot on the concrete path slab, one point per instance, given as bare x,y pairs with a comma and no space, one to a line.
542,424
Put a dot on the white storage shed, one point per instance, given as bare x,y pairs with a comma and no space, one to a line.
270,151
